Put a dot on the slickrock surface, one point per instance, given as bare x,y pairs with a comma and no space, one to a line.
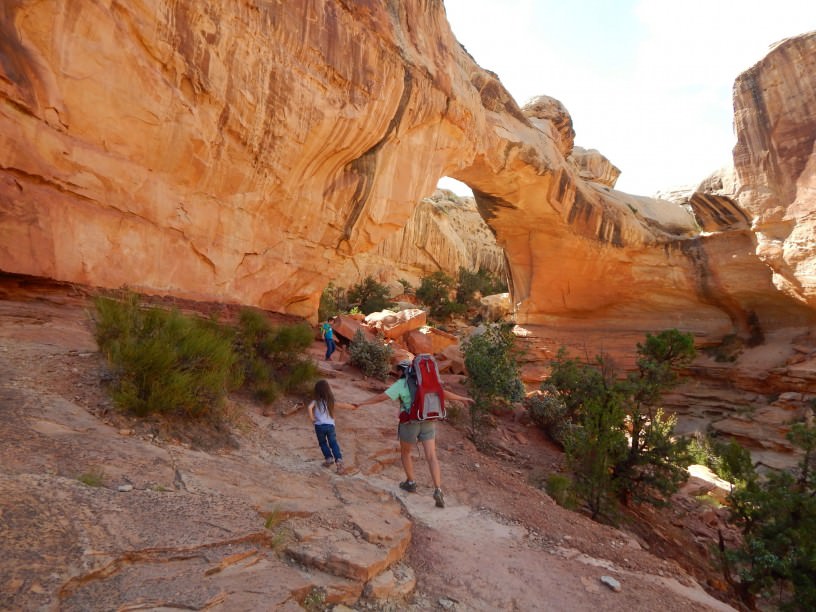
260,524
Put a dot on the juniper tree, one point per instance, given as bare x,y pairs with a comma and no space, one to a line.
493,371
777,516
656,461
619,440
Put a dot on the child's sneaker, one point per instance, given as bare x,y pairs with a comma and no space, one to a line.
439,498
328,463
340,468
408,485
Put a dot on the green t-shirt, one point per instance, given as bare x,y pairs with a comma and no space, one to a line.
399,390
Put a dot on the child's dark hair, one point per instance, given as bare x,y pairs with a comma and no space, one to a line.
323,392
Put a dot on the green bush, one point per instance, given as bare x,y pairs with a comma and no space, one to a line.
272,358
372,357
656,461
701,451
164,362
620,442
559,488
481,282
491,359
93,478
370,296
333,301
596,442
777,516
728,460
176,365
407,288
549,412
435,292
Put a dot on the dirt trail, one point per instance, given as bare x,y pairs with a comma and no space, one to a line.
500,544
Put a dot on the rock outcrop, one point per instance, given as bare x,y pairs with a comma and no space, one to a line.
250,153
444,233
775,161
100,513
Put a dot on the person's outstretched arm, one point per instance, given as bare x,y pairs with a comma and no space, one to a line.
345,405
374,399
455,396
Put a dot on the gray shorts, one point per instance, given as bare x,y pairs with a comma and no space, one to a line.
416,431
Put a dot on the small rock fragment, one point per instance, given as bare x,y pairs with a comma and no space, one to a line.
611,583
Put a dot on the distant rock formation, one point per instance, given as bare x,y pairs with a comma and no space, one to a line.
775,161
444,233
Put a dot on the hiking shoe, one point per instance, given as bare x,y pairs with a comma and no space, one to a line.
340,468
439,498
408,485
328,463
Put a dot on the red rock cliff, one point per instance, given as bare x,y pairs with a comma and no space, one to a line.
245,152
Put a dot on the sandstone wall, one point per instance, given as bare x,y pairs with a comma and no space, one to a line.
444,233
234,151
775,161
248,152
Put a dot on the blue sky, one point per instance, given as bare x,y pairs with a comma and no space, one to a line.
647,82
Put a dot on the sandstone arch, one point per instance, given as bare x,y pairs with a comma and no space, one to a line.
247,153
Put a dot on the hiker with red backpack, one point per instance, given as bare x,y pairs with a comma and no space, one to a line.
422,402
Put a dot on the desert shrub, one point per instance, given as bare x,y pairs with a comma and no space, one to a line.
333,301
701,451
272,358
369,295
481,282
372,357
596,442
163,362
777,516
728,350
455,414
620,443
656,461
727,459
407,287
559,488
435,292
494,382
549,412
95,477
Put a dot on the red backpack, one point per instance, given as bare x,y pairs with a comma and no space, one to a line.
428,397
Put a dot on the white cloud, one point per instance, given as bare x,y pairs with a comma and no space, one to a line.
647,83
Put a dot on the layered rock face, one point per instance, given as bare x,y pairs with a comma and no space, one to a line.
445,232
235,151
248,152
775,161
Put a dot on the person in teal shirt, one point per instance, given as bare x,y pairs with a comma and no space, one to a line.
327,332
411,432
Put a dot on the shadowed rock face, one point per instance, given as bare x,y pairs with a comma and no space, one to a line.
246,152
445,232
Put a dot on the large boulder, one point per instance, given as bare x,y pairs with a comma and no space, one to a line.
347,326
394,325
429,340
495,307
